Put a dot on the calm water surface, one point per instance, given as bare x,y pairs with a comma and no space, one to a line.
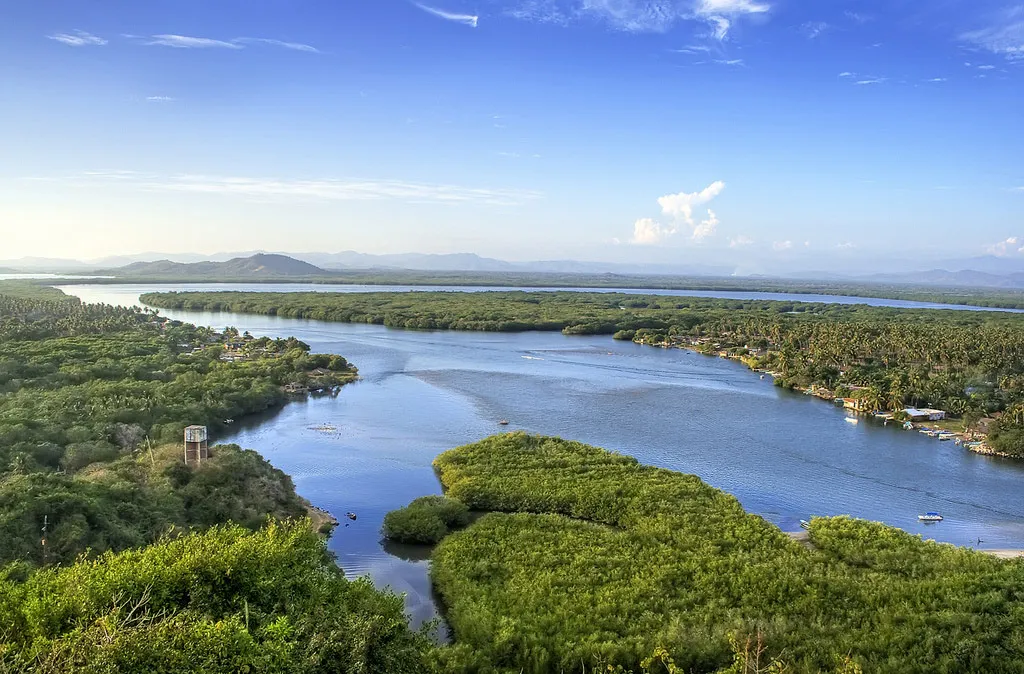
136,289
786,456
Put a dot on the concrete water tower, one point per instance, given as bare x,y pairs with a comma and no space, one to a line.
196,448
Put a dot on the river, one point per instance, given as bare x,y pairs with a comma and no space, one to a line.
786,456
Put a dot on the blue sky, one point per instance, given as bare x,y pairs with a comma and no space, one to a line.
755,132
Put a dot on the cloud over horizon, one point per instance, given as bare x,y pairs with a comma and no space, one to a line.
679,207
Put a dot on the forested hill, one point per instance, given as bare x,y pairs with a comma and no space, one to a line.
259,266
93,400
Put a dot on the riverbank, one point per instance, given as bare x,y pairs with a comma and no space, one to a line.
974,440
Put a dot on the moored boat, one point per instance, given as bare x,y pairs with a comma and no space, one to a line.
930,517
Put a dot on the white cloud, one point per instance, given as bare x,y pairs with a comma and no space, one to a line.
813,29
647,232
297,46
937,79
189,42
706,228
782,245
986,67
847,74
719,27
1013,245
873,80
1004,36
730,62
468,19
732,7
639,16
856,17
78,38
739,241
680,206
846,245
328,189
159,99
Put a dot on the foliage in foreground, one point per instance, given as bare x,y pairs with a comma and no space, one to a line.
588,556
226,600
428,519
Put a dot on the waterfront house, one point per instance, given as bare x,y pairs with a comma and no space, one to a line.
856,404
924,414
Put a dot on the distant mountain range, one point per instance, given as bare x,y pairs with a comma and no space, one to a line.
259,266
984,272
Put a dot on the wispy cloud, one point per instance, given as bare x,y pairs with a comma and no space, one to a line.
78,38
1004,35
847,74
937,79
187,42
323,189
740,241
190,42
640,16
730,62
297,46
813,29
679,207
782,245
857,17
159,99
468,19
873,80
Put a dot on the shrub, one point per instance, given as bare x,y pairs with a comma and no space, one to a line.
425,520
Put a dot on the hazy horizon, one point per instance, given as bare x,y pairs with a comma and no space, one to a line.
758,135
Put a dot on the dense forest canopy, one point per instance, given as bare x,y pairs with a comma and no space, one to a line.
589,557
969,363
93,400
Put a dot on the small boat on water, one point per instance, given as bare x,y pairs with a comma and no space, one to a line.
804,524
350,515
852,420
930,517
503,422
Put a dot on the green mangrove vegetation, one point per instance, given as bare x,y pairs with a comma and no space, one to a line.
970,364
224,600
428,519
93,400
587,558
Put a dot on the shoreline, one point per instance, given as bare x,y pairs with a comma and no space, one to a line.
803,537
960,436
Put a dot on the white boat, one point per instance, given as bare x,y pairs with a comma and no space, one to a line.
930,517
852,420
804,524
